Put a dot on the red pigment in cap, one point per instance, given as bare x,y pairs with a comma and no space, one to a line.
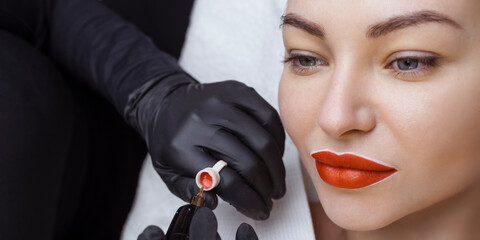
206,180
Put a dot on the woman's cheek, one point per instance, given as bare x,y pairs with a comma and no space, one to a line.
293,111
286,111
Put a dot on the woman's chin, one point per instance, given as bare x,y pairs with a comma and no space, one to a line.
359,218
352,223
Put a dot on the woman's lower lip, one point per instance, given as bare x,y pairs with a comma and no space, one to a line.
350,178
349,171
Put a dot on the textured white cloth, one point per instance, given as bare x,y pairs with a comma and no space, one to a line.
238,40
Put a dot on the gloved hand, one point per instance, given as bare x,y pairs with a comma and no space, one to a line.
203,226
189,126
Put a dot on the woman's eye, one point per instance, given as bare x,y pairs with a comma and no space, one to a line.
307,61
304,63
413,67
407,64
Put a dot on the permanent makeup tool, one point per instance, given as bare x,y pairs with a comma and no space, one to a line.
178,229
206,179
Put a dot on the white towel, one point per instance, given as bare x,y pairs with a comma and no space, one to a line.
238,40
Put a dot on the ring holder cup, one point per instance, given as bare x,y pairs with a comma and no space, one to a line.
209,177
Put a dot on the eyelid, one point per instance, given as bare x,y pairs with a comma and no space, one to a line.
297,53
410,54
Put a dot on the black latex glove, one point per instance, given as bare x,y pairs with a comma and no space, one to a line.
202,227
189,126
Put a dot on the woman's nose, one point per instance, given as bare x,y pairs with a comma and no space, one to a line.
346,110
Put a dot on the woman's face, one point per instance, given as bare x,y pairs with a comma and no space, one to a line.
396,84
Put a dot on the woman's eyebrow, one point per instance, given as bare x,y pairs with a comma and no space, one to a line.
378,29
412,19
299,22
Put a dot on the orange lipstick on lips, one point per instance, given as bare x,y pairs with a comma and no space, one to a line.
349,170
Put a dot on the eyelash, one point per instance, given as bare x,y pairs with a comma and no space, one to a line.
425,63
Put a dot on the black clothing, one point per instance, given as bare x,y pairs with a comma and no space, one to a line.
26,19
91,43
165,22
68,162
36,128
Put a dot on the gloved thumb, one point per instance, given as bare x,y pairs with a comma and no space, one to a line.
245,232
152,233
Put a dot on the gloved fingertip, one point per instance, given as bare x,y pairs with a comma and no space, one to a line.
260,215
270,205
259,212
211,200
264,215
246,232
280,192
152,233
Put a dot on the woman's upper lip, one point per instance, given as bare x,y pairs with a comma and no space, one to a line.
349,160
